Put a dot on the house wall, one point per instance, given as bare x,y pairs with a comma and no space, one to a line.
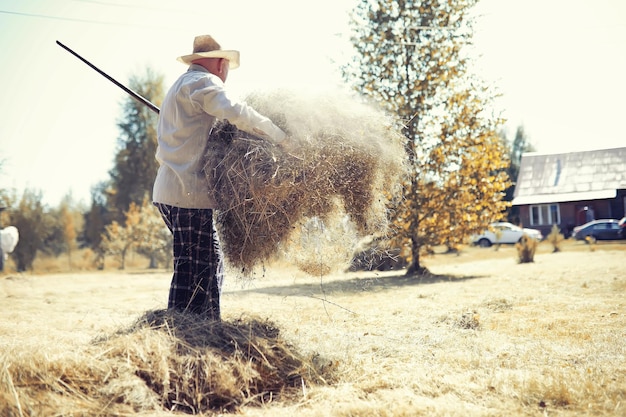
575,213
618,206
524,216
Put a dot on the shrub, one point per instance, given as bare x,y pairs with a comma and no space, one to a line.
555,238
526,248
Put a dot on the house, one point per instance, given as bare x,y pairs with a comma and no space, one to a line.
570,189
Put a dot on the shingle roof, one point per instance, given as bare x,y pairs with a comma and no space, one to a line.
572,176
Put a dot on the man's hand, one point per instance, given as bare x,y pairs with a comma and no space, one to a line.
268,129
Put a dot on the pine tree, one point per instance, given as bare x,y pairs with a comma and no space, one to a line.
517,147
97,217
135,167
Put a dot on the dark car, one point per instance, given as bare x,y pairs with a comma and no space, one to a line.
605,229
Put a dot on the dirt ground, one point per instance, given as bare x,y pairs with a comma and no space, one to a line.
481,336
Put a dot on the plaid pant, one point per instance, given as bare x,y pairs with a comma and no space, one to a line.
198,262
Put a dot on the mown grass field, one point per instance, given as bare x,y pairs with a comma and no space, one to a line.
481,336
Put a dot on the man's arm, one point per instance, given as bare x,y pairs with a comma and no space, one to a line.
215,101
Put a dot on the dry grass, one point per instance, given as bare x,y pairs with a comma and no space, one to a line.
483,336
526,248
165,361
555,238
82,260
342,163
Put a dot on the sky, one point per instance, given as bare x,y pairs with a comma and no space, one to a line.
559,66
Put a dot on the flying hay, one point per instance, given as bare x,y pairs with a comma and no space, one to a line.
335,177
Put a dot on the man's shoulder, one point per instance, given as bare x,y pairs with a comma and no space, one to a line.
200,77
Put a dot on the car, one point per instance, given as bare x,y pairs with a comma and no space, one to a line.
504,232
622,227
602,229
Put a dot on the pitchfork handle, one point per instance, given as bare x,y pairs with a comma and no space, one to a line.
108,77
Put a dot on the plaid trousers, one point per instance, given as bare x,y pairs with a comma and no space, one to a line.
198,261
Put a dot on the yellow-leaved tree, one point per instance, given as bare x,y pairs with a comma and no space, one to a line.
410,56
117,240
143,232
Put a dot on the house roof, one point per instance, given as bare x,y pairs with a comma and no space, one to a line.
573,176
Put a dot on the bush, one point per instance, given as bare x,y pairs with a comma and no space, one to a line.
555,238
526,248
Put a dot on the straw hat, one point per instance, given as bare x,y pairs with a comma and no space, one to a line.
204,46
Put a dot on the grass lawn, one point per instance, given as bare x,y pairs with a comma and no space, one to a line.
481,336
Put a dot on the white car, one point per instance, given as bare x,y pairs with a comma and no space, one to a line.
504,232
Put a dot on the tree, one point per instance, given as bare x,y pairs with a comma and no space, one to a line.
6,201
517,147
70,220
97,216
154,239
34,226
116,242
143,231
63,229
135,167
410,57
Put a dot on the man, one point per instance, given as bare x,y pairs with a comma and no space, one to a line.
188,113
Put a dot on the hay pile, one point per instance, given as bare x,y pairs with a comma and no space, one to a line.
167,361
313,199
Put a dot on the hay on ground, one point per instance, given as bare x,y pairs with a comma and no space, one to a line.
166,361
343,163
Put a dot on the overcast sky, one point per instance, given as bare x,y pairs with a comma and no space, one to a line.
559,65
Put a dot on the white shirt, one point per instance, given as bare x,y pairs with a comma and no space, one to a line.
188,113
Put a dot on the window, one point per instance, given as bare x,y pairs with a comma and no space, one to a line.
545,214
555,217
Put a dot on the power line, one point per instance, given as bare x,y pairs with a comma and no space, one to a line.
132,6
97,22
69,19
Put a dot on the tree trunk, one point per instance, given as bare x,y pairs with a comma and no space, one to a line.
153,262
123,260
415,268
